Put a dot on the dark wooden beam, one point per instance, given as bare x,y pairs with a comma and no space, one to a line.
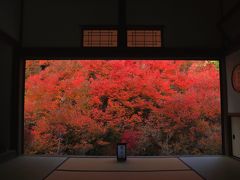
122,23
225,125
120,53
234,114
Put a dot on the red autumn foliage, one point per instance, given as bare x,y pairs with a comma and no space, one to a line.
159,107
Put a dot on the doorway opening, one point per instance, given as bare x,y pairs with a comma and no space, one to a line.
157,107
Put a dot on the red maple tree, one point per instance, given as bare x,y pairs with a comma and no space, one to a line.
159,107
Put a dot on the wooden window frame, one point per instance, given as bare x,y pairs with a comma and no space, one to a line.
122,41
89,28
146,28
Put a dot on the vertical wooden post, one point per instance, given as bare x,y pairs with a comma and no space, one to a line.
122,23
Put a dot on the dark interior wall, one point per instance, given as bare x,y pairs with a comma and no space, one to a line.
6,55
231,26
230,23
188,24
233,97
227,5
9,35
231,29
10,17
56,23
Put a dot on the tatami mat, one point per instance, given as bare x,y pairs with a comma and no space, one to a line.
132,164
29,167
215,167
163,175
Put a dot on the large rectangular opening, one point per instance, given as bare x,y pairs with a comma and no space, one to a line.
157,107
